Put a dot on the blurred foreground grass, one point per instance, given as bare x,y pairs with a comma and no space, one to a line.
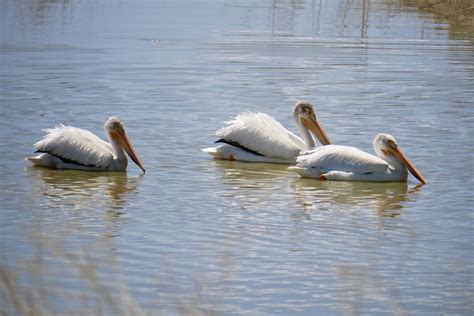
56,281
60,281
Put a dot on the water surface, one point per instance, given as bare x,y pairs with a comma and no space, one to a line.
199,235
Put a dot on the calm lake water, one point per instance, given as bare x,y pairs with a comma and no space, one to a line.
195,235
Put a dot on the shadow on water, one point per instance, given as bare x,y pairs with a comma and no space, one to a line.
59,266
116,186
330,215
248,185
88,194
385,199
64,257
237,171
258,181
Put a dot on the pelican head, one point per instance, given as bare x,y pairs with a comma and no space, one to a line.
304,114
116,131
386,145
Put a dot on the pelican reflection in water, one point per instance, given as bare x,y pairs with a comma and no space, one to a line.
86,191
386,199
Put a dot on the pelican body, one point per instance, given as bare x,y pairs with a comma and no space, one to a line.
258,137
344,163
67,147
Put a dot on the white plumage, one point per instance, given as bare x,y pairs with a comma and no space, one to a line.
76,144
263,134
67,147
344,163
333,158
258,137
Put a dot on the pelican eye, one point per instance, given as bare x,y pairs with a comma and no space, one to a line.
392,144
307,111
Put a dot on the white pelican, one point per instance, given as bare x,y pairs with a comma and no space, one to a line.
258,137
345,163
67,147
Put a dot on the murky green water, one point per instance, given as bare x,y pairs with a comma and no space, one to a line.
227,237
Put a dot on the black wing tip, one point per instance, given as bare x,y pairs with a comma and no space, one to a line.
236,144
63,159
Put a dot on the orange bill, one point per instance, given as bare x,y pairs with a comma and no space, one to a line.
127,146
411,167
317,130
